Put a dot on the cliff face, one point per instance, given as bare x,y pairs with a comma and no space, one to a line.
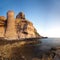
2,26
11,28
25,28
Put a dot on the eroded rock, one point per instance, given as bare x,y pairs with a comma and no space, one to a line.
16,28
11,29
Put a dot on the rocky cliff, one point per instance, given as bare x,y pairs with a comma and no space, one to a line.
16,28
2,26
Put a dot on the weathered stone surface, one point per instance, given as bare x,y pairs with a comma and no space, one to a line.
21,15
2,31
11,30
2,25
25,29
2,18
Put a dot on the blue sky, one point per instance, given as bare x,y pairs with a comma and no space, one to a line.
45,14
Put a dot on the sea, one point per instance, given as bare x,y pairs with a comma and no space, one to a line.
41,49
50,42
33,49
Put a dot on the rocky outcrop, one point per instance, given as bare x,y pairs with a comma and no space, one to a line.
16,28
10,30
21,15
2,26
25,28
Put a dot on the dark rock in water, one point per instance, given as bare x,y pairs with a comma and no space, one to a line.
44,37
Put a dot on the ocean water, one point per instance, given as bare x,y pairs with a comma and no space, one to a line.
43,48
38,49
51,42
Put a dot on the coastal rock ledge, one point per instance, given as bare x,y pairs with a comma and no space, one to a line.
17,28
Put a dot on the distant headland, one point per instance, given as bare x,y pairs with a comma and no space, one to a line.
17,28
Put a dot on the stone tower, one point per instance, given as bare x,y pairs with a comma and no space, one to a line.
10,30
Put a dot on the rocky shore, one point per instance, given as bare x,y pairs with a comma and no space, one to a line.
13,49
25,50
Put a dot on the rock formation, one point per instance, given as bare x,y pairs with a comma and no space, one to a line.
2,26
25,28
16,28
10,30
21,15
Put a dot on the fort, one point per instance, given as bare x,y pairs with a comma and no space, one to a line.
16,28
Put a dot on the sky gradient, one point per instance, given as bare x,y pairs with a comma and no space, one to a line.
44,14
